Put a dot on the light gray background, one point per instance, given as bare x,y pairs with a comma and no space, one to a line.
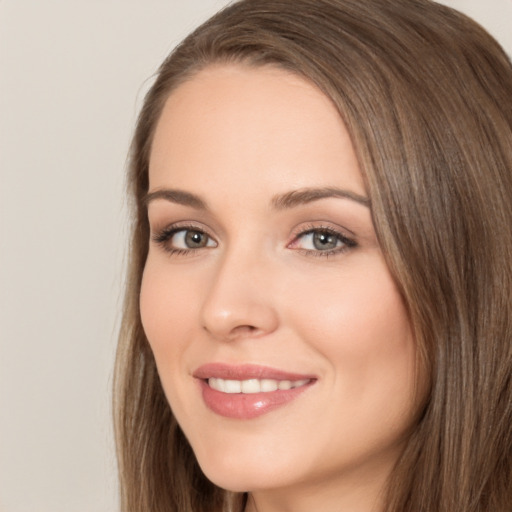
72,76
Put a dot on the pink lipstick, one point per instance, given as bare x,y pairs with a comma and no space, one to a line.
248,391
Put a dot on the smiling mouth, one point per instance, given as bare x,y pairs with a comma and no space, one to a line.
252,386
247,391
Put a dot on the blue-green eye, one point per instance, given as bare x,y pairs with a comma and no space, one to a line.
183,239
322,240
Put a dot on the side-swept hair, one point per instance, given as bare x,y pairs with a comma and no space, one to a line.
426,95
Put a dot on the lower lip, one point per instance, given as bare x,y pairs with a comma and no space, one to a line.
245,406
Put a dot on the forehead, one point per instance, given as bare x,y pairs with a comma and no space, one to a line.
246,124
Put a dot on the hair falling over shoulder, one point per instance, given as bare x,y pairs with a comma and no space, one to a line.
426,95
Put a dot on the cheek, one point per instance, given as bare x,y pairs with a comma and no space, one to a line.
165,307
359,304
358,323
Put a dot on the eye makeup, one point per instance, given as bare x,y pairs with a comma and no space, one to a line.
322,241
310,240
182,239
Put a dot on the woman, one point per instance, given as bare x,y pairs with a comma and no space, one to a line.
318,309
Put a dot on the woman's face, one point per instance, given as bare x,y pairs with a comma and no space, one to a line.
281,341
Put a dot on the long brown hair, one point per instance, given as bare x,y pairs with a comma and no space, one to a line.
426,95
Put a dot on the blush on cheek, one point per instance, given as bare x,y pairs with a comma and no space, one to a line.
154,307
359,323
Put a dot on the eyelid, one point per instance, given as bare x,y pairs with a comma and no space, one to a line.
349,242
164,235
177,226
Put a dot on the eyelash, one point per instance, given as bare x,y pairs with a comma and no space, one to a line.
164,236
347,243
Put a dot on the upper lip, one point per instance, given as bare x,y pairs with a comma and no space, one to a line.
246,372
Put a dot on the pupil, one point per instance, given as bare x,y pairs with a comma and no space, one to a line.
194,239
324,241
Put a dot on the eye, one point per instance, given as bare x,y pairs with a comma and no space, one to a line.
191,239
181,240
322,242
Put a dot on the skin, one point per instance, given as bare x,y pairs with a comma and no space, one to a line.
261,292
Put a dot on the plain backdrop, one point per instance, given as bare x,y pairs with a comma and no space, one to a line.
72,77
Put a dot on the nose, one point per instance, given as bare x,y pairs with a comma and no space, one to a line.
239,302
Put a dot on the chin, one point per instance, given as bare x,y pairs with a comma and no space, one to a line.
242,475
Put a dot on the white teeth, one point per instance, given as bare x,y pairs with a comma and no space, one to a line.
232,386
217,384
270,385
250,386
285,384
254,385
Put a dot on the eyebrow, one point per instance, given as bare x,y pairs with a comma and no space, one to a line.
178,197
287,200
308,195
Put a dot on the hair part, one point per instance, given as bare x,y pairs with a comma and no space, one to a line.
426,95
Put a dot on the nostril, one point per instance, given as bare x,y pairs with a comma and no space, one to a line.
243,329
238,331
227,317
